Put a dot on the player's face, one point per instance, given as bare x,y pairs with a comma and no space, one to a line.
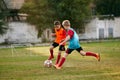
66,27
57,26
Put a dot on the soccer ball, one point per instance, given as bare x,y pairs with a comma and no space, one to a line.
48,63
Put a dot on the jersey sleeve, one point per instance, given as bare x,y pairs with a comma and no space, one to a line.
64,32
70,33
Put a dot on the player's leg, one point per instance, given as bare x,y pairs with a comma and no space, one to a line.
88,53
58,57
96,55
51,53
51,50
68,51
61,48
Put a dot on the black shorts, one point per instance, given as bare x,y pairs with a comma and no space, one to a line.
70,50
61,48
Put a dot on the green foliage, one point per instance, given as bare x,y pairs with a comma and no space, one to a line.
108,7
3,13
77,11
3,25
2,28
42,13
39,14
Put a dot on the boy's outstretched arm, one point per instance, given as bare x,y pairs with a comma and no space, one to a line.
65,40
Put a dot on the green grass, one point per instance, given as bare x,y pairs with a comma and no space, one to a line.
27,63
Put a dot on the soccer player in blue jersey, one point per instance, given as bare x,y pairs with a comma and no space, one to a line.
74,44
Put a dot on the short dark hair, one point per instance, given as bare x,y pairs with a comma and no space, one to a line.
57,23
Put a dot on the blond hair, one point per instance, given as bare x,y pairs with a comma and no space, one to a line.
66,23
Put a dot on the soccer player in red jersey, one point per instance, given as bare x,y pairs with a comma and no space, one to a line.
60,35
73,39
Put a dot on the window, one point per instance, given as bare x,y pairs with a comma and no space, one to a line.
101,33
110,32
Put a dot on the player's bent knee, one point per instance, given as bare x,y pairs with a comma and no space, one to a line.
51,48
65,55
82,53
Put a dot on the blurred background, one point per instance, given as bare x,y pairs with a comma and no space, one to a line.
31,21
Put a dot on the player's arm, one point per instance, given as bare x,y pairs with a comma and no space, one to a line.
53,34
69,36
65,40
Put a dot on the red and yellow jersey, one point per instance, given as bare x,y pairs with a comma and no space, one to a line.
60,35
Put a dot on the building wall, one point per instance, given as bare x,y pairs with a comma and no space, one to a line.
117,28
14,4
46,36
20,32
92,29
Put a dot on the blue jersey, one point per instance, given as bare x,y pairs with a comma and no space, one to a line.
74,41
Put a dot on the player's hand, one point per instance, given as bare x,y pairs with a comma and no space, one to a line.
60,44
62,40
53,34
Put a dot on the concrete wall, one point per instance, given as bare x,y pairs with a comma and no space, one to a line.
92,28
117,27
46,35
20,32
14,4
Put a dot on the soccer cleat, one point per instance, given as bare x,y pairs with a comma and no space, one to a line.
57,67
98,57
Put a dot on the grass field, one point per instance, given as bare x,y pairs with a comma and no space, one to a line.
27,64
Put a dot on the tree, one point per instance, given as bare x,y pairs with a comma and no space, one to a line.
77,11
108,7
39,14
3,26
43,12
3,13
